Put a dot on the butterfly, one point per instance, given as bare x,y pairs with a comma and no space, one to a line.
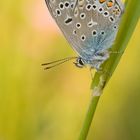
90,27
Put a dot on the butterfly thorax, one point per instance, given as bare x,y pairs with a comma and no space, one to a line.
95,61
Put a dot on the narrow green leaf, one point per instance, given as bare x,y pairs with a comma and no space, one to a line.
127,26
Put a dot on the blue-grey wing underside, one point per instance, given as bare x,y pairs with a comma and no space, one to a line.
88,25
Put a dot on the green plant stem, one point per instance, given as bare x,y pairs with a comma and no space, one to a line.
88,119
127,26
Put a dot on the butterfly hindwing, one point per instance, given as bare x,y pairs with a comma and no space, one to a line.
88,25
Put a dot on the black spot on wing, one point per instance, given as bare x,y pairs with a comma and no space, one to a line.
68,21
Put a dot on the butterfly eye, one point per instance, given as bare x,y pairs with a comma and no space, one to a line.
79,63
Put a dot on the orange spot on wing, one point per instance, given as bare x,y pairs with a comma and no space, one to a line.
101,1
110,4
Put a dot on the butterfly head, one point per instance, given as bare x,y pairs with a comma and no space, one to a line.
80,63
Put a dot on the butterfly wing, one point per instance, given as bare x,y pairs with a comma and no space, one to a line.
88,25
62,12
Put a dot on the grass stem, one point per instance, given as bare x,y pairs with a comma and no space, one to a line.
127,27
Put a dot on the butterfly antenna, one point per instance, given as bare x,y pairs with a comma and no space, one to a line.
57,62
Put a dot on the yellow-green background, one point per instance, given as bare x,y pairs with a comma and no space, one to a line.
51,105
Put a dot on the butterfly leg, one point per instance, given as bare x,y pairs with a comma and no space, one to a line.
91,72
98,70
102,78
116,52
102,72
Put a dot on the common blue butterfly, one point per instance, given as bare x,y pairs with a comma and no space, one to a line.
90,27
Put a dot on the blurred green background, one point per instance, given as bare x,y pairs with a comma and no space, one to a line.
51,105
